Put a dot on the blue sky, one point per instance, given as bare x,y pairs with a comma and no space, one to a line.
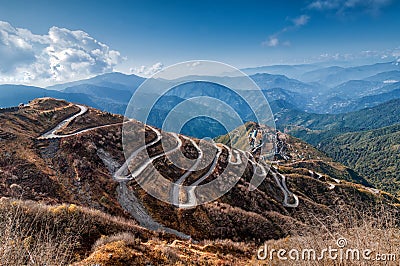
132,34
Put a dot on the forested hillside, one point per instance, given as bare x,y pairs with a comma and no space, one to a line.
375,154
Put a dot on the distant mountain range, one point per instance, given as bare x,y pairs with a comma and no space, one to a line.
334,76
12,95
315,127
318,89
334,89
113,80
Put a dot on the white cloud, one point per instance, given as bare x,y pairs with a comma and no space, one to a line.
323,5
296,23
301,21
343,7
147,71
272,41
59,56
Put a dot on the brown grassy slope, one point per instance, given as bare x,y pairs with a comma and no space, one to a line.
19,162
302,154
54,171
259,215
36,118
78,227
37,234
124,249
377,232
70,170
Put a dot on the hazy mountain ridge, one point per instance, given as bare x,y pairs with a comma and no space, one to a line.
114,80
334,76
111,92
13,95
315,127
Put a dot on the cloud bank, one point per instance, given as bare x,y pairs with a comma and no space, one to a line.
59,56
145,71
388,55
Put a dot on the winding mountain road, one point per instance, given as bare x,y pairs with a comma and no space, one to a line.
128,200
178,184
122,175
286,192
281,183
51,134
126,197
192,200
238,159
149,161
123,172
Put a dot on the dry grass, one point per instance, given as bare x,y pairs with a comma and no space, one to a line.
128,238
35,234
378,232
124,250
34,240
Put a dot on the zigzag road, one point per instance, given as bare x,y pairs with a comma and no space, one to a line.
127,198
